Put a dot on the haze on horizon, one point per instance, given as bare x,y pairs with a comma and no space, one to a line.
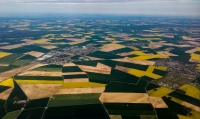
118,7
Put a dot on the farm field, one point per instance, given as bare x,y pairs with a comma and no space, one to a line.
89,67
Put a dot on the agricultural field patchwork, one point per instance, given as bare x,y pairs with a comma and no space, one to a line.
109,68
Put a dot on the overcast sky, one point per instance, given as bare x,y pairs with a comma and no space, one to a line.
119,7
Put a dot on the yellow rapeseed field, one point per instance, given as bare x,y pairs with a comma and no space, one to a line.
7,82
195,56
183,117
140,73
109,39
82,85
3,54
161,68
111,45
39,82
191,91
159,92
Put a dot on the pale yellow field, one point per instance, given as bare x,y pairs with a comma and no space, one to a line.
52,35
87,36
82,85
64,35
3,54
40,41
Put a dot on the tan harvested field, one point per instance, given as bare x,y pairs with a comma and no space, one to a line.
153,46
4,64
181,46
49,47
166,53
111,48
124,54
142,62
75,39
16,71
27,40
100,65
40,73
103,69
115,116
4,95
191,51
8,47
69,64
132,47
188,38
196,61
168,49
35,53
76,80
73,73
35,91
157,102
4,43
191,106
77,42
3,78
121,68
80,90
124,97
193,43
169,44
94,58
